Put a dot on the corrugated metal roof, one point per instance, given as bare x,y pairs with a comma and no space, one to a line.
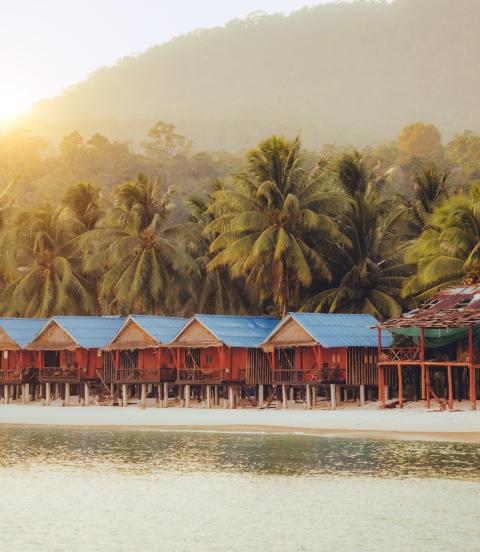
342,330
162,328
22,330
238,331
90,332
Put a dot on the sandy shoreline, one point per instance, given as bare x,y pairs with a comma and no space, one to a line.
414,422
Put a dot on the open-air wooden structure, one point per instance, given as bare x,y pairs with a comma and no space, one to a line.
138,357
18,367
442,360
330,351
67,351
223,353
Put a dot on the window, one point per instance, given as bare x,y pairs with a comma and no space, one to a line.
208,359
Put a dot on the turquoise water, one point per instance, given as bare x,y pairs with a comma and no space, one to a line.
122,490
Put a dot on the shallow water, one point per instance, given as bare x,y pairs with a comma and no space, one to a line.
122,490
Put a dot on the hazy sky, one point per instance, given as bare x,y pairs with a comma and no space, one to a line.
46,45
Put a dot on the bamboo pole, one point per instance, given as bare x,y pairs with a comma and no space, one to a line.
400,385
450,388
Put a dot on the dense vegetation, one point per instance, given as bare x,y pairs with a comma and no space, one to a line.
345,73
98,228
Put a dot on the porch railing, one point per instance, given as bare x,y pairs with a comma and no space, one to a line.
59,374
27,374
139,375
401,353
326,374
197,375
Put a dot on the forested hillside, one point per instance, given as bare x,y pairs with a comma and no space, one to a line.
343,73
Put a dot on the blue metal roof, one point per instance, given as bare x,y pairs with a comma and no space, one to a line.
342,330
90,332
22,330
238,331
162,328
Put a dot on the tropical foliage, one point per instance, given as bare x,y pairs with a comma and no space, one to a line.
371,231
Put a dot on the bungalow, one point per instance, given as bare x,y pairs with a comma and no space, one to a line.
317,349
18,367
222,351
69,353
438,354
138,356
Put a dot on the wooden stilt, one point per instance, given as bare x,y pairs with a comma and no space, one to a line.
48,396
187,396
400,385
423,382
208,397
231,397
284,396
261,398
7,393
308,396
291,394
362,395
450,389
427,384
333,396
143,395
215,396
314,396
124,395
386,392
165,395
86,393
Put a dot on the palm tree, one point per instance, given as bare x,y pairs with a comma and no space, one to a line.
367,264
144,270
81,206
265,223
430,187
215,291
46,265
449,248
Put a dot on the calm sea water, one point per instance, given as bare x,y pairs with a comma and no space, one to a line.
81,490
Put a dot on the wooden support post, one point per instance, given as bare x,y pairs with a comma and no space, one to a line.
208,397
261,398
6,389
187,396
423,382
333,396
292,394
362,395
427,384
57,393
231,397
284,396
165,395
308,396
386,392
48,395
400,385
66,402
124,395
450,388
314,396
143,395
86,392
26,392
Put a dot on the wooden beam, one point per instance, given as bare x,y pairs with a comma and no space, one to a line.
400,385
450,388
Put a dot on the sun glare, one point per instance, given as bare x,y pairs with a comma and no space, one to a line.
11,106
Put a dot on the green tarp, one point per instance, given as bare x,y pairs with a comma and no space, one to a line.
438,337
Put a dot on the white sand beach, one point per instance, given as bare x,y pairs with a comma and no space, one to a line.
412,422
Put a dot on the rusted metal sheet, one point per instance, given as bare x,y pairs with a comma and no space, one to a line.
451,308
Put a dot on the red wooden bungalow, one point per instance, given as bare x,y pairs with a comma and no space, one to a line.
222,351
68,353
137,356
18,367
442,359
316,349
